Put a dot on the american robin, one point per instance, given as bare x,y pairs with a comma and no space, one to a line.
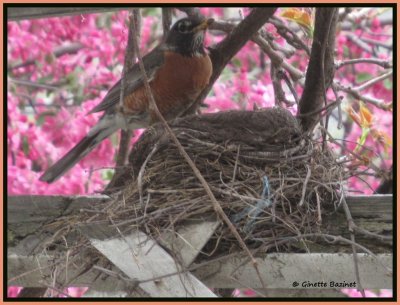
178,70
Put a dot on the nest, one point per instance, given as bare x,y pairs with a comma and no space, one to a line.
270,181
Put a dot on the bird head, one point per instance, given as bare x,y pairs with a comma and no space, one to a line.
187,36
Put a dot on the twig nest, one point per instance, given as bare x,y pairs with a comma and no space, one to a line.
270,181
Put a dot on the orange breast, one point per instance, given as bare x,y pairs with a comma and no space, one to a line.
176,85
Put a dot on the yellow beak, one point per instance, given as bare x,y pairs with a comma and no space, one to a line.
204,25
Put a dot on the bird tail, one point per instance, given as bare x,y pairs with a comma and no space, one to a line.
79,151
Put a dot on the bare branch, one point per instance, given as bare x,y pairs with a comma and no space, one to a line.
378,43
278,59
379,103
380,62
378,171
357,41
351,226
277,75
33,84
289,35
320,69
166,20
129,61
373,81
190,11
70,48
276,84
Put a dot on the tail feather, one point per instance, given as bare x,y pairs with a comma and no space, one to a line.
85,146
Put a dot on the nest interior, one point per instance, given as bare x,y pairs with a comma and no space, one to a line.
270,180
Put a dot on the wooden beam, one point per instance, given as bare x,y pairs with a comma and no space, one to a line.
277,270
27,213
302,271
374,205
111,284
143,260
38,208
189,239
22,13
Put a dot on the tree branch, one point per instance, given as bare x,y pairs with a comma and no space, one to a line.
289,35
166,20
386,64
373,81
227,48
320,69
379,103
361,44
276,58
190,11
70,48
129,61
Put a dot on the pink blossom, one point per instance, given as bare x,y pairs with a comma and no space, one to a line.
354,293
76,292
37,140
13,291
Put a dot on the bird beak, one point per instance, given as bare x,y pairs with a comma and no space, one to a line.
204,25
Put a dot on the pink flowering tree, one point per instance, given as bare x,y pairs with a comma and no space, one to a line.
59,68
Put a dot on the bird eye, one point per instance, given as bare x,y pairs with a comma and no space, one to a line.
183,27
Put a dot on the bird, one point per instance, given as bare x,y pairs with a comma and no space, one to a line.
178,69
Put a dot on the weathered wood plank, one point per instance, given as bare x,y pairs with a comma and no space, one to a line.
302,293
21,13
278,271
19,207
375,205
35,210
142,259
39,269
283,270
359,205
106,286
28,213
188,241
38,208
32,292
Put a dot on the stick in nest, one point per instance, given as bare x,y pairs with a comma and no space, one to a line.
216,205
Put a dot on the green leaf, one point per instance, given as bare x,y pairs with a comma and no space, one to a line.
388,84
150,11
346,51
363,77
236,62
45,80
364,135
25,145
41,117
361,141
226,74
108,174
114,139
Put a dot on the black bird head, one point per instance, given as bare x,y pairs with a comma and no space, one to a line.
187,36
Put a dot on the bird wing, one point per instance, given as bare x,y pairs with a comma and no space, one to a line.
133,80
